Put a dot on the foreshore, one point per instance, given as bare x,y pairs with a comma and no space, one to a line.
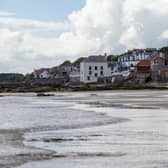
55,131
89,87
14,153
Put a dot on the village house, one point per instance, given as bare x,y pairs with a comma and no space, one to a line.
69,72
143,71
113,67
94,68
158,61
70,69
154,69
129,60
159,68
56,72
74,75
141,64
42,73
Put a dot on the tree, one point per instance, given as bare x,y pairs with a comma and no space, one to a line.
164,49
11,77
112,58
78,61
67,62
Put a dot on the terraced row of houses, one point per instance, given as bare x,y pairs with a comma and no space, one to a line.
143,63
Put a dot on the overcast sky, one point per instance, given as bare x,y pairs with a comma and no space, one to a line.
43,33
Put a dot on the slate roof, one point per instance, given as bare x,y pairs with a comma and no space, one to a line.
98,58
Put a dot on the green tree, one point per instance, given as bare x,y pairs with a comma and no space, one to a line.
164,49
112,58
67,62
79,60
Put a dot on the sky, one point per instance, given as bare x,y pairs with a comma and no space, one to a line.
44,33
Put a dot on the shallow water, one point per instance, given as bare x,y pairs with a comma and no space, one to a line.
85,130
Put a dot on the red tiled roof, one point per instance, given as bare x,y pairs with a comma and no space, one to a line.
144,63
40,71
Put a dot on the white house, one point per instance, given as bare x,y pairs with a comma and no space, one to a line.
130,59
42,73
94,67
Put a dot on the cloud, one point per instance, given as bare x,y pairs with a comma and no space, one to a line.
146,19
27,24
6,14
164,35
111,26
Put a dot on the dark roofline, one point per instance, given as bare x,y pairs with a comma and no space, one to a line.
95,58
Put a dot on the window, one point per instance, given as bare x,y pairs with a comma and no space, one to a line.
101,67
101,73
90,68
95,67
88,78
90,72
95,74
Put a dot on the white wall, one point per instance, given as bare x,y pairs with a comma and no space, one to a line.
44,75
85,71
134,59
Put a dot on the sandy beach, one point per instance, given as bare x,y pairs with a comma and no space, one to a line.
84,129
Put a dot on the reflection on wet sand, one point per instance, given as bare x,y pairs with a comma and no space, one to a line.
91,129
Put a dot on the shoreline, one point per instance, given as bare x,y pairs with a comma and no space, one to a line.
40,89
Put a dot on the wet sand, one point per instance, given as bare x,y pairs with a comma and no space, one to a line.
14,153
106,129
